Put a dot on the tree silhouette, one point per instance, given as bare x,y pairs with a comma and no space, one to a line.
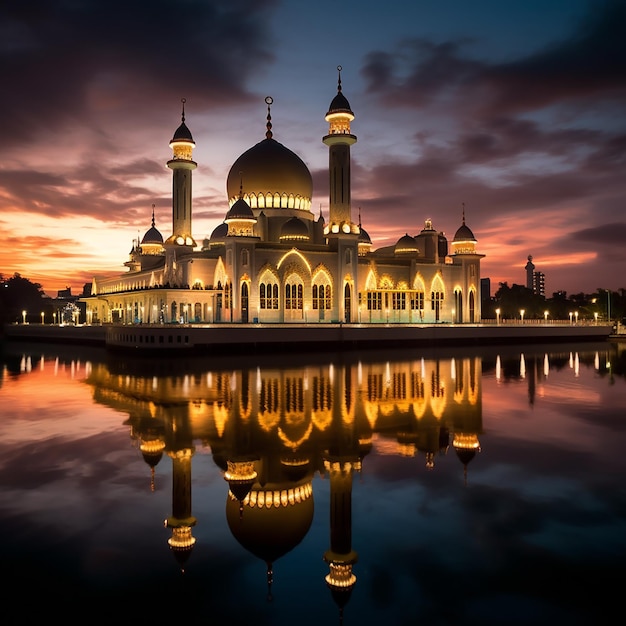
19,294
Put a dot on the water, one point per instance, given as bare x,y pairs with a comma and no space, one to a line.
470,486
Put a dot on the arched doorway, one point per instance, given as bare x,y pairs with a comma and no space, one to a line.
244,303
347,303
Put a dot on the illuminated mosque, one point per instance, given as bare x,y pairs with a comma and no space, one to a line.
272,260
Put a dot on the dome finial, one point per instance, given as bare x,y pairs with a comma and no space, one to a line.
359,217
339,68
269,100
240,184
183,100
153,215
463,203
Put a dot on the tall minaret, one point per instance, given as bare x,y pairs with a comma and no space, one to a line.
182,164
530,272
339,140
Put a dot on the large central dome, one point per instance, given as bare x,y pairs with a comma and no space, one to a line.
271,176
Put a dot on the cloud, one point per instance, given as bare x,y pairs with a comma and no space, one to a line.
590,64
63,62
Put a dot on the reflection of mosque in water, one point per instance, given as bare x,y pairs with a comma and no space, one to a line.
271,429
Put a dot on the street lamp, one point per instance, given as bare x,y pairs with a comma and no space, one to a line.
545,316
521,314
498,317
23,317
570,317
42,318
576,316
595,317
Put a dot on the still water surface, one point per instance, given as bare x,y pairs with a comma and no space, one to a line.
476,486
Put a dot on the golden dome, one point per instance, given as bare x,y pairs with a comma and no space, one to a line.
269,171
273,521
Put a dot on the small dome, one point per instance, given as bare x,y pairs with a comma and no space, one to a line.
464,234
363,236
183,134
218,236
152,236
406,245
270,169
240,211
294,230
339,104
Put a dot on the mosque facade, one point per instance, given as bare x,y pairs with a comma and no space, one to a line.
272,260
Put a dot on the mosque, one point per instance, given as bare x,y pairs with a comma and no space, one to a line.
272,260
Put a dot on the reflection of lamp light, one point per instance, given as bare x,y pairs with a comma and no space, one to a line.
498,316
453,316
595,317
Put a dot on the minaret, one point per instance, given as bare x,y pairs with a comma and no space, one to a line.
180,449
339,140
340,556
530,272
182,164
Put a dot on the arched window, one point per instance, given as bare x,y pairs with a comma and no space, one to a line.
322,296
293,296
262,301
268,296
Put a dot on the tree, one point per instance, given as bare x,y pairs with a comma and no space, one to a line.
19,294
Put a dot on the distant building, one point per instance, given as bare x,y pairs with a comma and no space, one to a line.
485,289
536,281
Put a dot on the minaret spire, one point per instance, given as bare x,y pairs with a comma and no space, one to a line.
268,133
182,166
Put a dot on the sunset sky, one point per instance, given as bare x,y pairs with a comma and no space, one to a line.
516,109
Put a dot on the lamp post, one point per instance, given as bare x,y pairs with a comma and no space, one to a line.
545,317
521,314
54,317
570,317
498,317
23,317
576,316
42,318
595,317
